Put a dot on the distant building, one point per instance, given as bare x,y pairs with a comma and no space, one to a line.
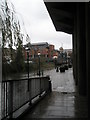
69,54
61,49
64,56
46,50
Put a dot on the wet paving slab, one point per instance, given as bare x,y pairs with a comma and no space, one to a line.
62,102
57,105
62,82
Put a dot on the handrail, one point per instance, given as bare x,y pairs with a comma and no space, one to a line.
25,79
16,93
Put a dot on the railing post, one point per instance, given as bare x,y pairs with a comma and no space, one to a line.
50,84
10,99
3,99
30,102
40,88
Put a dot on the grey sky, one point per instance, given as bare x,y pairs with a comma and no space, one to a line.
39,25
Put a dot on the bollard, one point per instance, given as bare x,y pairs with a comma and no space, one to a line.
57,70
42,72
50,86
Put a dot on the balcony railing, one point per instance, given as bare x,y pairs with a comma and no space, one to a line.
17,93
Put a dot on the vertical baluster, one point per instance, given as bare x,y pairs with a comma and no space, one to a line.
10,99
6,99
30,93
4,109
40,87
30,101
19,94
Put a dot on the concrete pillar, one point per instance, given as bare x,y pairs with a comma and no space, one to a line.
87,29
81,53
75,50
74,69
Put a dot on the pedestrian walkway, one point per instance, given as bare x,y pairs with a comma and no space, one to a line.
63,102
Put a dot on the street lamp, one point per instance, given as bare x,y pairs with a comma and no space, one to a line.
27,50
39,62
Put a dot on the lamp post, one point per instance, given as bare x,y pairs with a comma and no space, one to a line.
39,62
27,50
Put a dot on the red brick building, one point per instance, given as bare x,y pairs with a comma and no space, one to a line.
46,50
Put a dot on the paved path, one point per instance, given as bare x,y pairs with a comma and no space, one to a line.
63,102
62,82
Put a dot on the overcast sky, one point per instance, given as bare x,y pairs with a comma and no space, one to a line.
38,23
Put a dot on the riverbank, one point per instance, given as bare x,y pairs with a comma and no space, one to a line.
32,72
11,69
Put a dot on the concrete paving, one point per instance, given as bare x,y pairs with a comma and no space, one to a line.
63,102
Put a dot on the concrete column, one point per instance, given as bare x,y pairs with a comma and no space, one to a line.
73,41
81,53
75,50
87,29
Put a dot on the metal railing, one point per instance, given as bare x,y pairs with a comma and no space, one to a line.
16,93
